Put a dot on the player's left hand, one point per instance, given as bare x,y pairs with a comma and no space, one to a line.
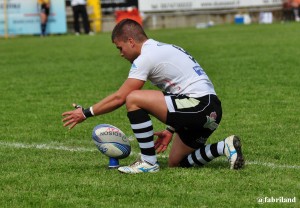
163,140
72,118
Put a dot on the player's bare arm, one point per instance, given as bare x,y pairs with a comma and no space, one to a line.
106,105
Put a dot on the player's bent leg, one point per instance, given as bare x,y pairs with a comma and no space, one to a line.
184,156
142,128
140,104
231,147
178,151
150,100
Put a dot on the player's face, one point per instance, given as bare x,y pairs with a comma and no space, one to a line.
127,49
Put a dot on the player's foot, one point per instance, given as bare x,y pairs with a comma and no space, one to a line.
233,151
139,166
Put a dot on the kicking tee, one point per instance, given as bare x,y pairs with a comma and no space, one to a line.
171,69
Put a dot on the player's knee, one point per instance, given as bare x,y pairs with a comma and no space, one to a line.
173,165
173,162
132,99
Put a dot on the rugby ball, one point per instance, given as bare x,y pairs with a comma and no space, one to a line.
111,141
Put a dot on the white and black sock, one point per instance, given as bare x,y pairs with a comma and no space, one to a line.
142,128
203,155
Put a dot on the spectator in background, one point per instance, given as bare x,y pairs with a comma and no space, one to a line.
79,8
44,9
295,4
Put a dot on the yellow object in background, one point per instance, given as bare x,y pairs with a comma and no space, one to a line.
43,1
95,14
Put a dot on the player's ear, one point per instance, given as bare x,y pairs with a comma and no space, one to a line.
131,42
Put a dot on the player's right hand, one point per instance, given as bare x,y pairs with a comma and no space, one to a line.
72,118
163,139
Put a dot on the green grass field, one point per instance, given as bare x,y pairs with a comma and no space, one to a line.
255,70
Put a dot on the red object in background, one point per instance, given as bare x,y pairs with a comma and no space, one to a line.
129,14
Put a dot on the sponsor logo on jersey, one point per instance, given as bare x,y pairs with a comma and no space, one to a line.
133,66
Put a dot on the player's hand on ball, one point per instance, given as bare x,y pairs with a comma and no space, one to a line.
71,118
162,141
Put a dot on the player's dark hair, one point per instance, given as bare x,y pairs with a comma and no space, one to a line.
128,28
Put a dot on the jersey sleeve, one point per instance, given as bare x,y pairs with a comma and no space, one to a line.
140,68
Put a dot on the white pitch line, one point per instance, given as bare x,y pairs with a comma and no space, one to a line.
272,165
53,146
56,146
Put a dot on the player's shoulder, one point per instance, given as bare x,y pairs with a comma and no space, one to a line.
154,43
153,48
149,45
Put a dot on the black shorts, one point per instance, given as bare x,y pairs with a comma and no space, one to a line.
44,9
194,119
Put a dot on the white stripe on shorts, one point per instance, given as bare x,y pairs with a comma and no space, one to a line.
184,103
169,104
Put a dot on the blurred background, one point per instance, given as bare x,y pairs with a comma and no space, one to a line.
21,17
